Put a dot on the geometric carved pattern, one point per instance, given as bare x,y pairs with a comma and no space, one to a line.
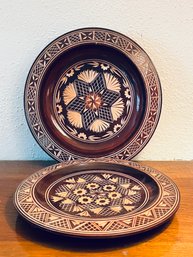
98,194
99,36
74,38
82,186
154,103
108,38
53,50
122,43
94,104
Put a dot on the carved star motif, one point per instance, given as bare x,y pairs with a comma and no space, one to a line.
93,100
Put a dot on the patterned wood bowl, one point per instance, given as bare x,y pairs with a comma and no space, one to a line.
92,93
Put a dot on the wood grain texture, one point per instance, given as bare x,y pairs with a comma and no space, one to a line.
18,238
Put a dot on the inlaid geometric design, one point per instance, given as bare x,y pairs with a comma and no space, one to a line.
97,203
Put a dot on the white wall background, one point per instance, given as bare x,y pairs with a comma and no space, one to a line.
164,28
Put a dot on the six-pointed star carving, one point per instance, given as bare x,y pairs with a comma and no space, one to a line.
93,100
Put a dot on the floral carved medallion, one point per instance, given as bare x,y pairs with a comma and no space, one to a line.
97,194
93,101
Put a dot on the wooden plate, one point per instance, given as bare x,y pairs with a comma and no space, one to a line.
92,93
97,198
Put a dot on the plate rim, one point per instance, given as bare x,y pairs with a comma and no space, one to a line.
157,177
60,153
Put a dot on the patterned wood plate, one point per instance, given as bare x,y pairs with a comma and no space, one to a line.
92,93
97,198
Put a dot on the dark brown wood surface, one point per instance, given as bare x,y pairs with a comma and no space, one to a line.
18,238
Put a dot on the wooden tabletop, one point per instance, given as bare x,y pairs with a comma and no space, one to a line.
18,238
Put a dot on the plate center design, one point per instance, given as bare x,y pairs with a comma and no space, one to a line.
97,194
92,101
